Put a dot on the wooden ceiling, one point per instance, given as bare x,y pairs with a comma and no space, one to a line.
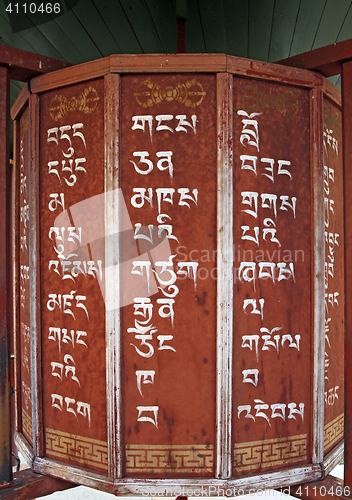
267,30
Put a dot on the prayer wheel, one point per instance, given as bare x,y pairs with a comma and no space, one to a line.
179,280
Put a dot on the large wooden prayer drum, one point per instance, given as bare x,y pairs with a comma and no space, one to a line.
179,277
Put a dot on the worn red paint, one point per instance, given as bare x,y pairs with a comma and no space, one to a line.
165,90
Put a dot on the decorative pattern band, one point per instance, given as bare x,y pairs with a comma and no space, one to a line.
191,93
82,450
27,426
193,459
333,431
270,453
86,102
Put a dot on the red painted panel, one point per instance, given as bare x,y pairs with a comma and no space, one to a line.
272,292
72,263
347,179
168,181
24,272
334,276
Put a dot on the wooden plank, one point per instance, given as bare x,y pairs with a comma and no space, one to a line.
52,33
13,39
92,21
5,290
36,38
347,155
331,22
47,466
79,73
71,27
225,245
260,23
317,257
284,22
24,65
23,97
212,17
332,92
332,459
236,21
334,276
269,71
61,41
139,17
152,63
327,60
34,278
164,18
208,487
155,63
15,90
179,415
346,28
112,274
21,442
82,207
24,422
115,19
32,41
27,484
17,274
306,26
195,42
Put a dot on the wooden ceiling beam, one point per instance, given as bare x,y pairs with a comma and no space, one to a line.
23,65
327,60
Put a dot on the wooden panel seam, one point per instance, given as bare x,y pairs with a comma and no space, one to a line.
34,281
112,277
16,273
136,487
20,103
347,182
225,275
318,256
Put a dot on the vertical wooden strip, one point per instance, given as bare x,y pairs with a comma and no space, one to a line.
318,291
347,166
225,275
112,277
16,273
5,291
34,277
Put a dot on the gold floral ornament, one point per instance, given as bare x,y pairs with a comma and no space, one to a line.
86,102
191,93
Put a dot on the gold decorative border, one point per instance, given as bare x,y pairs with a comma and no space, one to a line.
169,458
27,426
86,102
270,453
333,431
149,94
83,450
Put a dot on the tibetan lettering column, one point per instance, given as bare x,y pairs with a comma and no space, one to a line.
334,275
72,234
272,256
168,160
